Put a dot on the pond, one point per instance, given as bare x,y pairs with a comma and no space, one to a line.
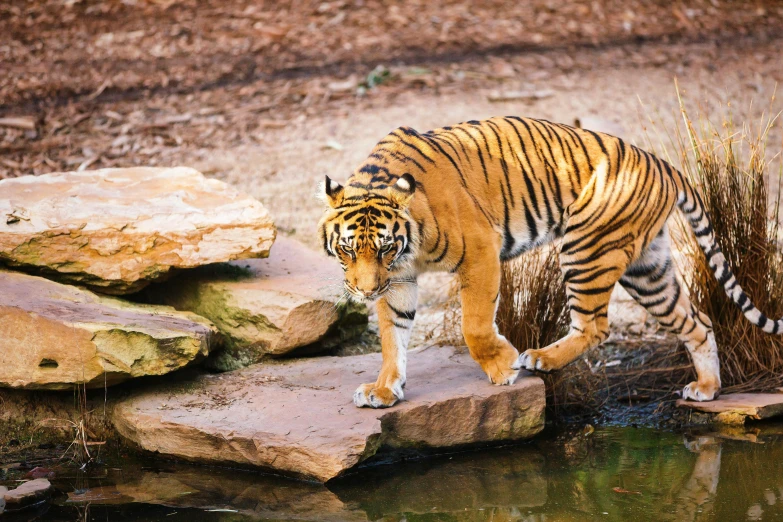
613,473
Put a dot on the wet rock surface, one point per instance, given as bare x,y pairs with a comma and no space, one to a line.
268,306
297,418
736,407
265,497
26,494
53,336
118,229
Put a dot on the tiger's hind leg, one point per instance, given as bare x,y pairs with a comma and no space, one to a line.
589,286
652,281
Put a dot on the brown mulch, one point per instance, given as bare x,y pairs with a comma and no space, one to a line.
122,82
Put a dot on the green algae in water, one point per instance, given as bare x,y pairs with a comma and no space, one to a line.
612,474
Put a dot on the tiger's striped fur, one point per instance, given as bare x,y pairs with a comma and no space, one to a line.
464,198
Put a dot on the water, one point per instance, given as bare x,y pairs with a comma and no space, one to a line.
611,474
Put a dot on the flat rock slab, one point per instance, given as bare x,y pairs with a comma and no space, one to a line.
733,407
268,306
53,336
27,493
117,229
297,418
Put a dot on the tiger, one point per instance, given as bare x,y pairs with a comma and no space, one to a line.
467,197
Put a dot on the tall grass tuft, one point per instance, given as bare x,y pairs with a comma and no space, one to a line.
532,312
729,168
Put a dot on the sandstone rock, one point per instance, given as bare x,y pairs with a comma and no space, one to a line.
733,408
117,229
54,335
3,491
267,306
27,493
297,417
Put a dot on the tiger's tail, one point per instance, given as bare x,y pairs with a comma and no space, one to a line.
691,205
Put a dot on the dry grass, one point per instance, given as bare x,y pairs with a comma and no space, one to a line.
78,451
532,312
730,169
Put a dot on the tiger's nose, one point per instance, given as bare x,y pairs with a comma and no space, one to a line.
369,293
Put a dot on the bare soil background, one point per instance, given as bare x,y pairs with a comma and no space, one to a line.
123,82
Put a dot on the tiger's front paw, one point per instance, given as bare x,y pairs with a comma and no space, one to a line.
701,392
373,396
536,360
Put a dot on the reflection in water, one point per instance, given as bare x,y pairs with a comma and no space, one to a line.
613,474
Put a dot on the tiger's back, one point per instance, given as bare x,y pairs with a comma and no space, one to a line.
522,177
464,198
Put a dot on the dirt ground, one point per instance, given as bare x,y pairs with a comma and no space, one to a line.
270,96
241,88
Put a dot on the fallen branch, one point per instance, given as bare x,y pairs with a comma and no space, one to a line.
18,122
519,95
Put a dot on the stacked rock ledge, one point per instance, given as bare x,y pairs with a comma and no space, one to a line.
116,230
53,336
268,307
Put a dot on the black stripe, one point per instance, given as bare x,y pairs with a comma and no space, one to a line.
591,291
480,154
494,128
671,307
643,292
585,311
437,241
462,178
704,232
406,314
762,321
655,302
462,257
417,149
726,275
664,270
445,250
525,173
531,225
508,238
590,278
406,159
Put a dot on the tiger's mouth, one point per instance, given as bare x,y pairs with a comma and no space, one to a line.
367,295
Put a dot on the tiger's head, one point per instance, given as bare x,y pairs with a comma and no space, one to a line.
370,231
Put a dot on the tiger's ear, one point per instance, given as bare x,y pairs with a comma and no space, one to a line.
333,192
402,190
